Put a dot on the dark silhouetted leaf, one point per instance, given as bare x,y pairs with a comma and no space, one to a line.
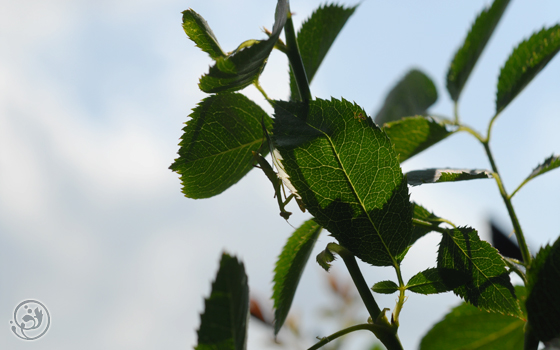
543,301
385,287
316,36
433,281
412,135
489,286
348,175
549,164
289,268
504,244
428,176
467,327
525,62
198,31
411,96
216,147
244,66
223,325
466,57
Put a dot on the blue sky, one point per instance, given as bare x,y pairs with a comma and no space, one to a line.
93,96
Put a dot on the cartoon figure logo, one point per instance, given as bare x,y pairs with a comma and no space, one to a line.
31,319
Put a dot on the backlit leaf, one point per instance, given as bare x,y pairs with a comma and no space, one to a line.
433,281
525,62
428,176
489,286
243,67
223,325
412,95
468,328
412,135
543,302
216,147
198,31
347,173
467,56
316,36
385,287
289,268
549,164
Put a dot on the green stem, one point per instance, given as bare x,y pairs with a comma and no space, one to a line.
507,201
456,112
296,62
365,326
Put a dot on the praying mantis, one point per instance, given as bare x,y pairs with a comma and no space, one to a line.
278,179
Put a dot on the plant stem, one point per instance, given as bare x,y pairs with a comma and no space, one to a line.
296,63
507,201
365,326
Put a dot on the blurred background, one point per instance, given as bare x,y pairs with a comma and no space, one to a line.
93,96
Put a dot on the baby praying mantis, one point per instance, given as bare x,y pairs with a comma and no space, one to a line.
278,180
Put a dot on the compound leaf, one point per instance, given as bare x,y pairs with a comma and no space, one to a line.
199,31
489,286
525,62
433,281
243,67
216,147
316,36
348,175
428,176
223,325
411,96
467,327
477,38
412,135
385,287
543,302
289,268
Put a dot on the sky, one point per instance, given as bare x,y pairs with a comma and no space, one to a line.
93,96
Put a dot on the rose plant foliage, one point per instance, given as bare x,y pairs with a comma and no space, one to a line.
343,167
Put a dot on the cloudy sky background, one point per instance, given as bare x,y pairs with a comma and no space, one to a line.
93,95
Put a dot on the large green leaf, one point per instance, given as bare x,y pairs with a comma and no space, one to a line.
223,325
433,281
244,66
412,135
289,268
411,96
466,57
199,31
216,147
468,328
428,176
489,286
348,175
316,36
525,62
543,302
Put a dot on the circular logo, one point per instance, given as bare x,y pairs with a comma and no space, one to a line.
31,320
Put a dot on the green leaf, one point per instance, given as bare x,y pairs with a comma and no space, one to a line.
467,327
289,268
411,96
316,36
199,31
385,287
525,62
428,176
325,258
216,147
489,286
347,173
549,164
433,281
412,135
244,66
223,325
543,302
477,38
